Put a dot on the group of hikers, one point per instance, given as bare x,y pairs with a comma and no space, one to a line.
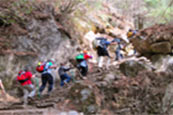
45,68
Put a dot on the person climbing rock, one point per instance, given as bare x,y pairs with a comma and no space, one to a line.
131,33
46,76
118,49
102,51
24,78
82,62
65,78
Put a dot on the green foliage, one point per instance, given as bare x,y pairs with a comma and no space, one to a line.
16,11
161,10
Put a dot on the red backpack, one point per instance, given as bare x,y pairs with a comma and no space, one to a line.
22,77
40,68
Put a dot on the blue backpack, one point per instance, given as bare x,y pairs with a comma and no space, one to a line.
102,43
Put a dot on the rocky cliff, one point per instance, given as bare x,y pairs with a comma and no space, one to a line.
38,38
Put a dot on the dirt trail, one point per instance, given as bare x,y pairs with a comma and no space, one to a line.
111,91
95,75
43,104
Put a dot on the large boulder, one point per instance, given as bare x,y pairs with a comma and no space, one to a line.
156,39
133,67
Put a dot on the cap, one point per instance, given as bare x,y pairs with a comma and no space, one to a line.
51,60
85,51
39,63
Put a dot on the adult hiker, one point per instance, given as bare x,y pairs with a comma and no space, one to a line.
65,78
131,33
46,75
102,45
82,62
118,49
24,78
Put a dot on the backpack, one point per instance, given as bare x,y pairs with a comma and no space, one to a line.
21,77
102,43
80,57
40,68
130,34
98,42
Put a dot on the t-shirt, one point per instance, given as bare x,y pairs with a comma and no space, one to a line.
47,68
83,63
62,70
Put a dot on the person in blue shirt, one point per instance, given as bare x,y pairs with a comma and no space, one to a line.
47,77
118,49
65,78
102,52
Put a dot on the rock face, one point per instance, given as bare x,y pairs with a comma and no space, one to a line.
156,39
42,41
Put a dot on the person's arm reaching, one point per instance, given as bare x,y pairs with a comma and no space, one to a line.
67,69
53,67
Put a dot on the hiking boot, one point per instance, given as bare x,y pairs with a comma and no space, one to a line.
30,99
65,82
39,95
48,93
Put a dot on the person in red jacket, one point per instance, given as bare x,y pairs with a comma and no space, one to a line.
86,56
83,65
24,78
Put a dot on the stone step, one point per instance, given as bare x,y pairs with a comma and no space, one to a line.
38,112
30,112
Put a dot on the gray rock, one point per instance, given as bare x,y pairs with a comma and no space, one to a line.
92,109
163,62
102,84
85,93
83,96
168,100
109,77
133,67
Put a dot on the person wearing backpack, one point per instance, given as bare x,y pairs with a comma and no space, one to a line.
82,63
24,78
47,77
131,33
65,78
96,42
102,51
118,49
